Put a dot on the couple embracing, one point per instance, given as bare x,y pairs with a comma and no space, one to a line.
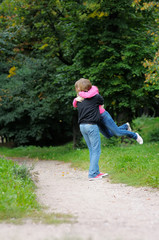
92,118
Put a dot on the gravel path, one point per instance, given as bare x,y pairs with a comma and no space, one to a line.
103,210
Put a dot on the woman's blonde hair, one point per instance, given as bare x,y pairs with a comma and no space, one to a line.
83,85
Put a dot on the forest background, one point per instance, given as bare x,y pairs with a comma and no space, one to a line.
45,46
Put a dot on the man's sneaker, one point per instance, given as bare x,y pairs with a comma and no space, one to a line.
129,128
96,178
139,139
103,174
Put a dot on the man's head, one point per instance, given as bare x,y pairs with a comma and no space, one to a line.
83,85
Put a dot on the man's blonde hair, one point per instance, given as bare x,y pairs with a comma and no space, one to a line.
83,84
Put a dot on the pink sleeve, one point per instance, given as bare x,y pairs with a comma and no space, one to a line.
101,109
91,93
74,103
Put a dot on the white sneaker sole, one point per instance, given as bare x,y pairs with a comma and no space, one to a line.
139,139
94,179
105,175
129,128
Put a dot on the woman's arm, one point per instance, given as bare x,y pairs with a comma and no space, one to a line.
74,103
77,99
91,93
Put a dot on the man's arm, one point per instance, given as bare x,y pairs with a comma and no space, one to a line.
100,99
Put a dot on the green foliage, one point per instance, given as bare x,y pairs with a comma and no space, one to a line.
17,191
148,127
154,135
22,171
151,64
113,141
81,144
34,107
46,46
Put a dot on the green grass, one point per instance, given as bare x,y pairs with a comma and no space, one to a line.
132,164
16,191
18,198
126,162
136,165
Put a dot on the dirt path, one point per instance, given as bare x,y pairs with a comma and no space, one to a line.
103,210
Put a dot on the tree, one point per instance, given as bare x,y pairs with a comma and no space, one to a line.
54,43
30,100
111,46
152,65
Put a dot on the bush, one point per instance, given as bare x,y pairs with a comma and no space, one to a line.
154,135
22,171
148,127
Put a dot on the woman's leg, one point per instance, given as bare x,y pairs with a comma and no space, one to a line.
91,135
123,127
108,123
107,133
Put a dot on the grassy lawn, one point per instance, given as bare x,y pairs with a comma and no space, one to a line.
132,164
136,165
125,161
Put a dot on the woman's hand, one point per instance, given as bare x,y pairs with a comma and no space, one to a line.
79,99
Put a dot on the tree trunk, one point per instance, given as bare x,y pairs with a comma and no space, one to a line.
76,131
